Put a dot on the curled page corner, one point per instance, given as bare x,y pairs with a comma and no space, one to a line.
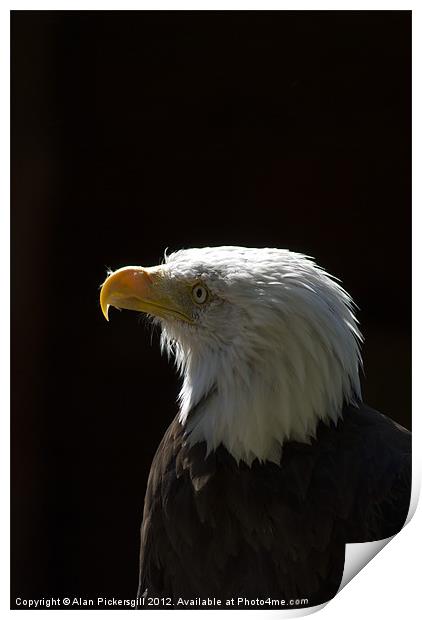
359,555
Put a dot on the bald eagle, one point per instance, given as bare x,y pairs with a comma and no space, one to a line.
273,463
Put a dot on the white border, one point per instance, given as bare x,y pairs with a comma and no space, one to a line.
390,584
220,5
5,306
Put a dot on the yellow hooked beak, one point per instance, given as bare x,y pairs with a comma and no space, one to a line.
141,289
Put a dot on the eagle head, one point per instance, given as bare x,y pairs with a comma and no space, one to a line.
266,341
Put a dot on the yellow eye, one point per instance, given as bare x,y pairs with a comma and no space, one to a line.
199,293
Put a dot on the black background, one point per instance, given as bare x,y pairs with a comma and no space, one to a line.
137,131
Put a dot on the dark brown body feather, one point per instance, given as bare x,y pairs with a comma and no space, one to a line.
215,528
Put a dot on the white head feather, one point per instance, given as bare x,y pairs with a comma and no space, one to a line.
274,351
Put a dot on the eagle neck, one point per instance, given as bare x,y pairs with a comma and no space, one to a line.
251,409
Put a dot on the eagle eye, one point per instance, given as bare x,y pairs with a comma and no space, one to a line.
199,293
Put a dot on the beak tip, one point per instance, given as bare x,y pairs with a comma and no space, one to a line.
104,309
104,298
